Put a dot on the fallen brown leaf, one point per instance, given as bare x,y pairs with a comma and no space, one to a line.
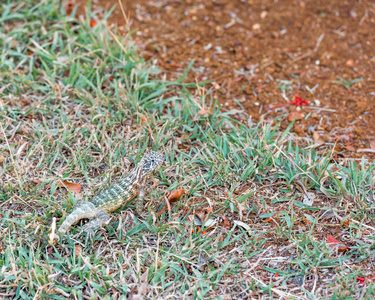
226,223
132,293
318,141
93,23
176,65
69,8
71,186
204,216
143,288
270,218
332,242
78,250
350,148
345,137
241,208
2,158
174,196
40,220
201,216
206,111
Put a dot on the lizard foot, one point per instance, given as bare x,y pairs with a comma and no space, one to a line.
101,217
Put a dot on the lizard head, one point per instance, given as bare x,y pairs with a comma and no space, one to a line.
151,162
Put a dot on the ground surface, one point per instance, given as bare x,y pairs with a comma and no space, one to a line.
267,214
250,48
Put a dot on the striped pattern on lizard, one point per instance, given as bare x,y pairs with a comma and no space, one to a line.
115,196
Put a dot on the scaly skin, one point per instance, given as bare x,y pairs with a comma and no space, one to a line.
117,195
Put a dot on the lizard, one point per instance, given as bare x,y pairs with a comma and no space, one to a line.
118,194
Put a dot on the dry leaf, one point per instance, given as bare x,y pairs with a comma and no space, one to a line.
318,141
71,186
132,294
2,158
143,288
201,217
226,223
241,208
270,218
93,23
345,137
204,217
175,195
295,115
69,8
206,111
53,238
40,220
350,148
332,242
78,250
242,224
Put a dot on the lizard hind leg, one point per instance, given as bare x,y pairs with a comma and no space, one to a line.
83,209
100,217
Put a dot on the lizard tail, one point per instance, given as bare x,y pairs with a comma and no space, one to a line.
86,210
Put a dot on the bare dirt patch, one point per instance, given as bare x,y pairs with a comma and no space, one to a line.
255,50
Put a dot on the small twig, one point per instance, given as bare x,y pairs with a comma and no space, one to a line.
168,204
123,13
307,54
116,39
157,253
138,265
364,225
321,108
321,37
363,18
366,150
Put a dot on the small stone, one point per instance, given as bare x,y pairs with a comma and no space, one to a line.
256,26
350,63
353,14
317,102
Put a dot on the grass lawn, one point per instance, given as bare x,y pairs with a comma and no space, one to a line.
78,104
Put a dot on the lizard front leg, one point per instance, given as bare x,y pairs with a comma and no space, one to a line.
100,217
141,196
140,200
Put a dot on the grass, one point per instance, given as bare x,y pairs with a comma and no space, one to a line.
79,106
347,83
